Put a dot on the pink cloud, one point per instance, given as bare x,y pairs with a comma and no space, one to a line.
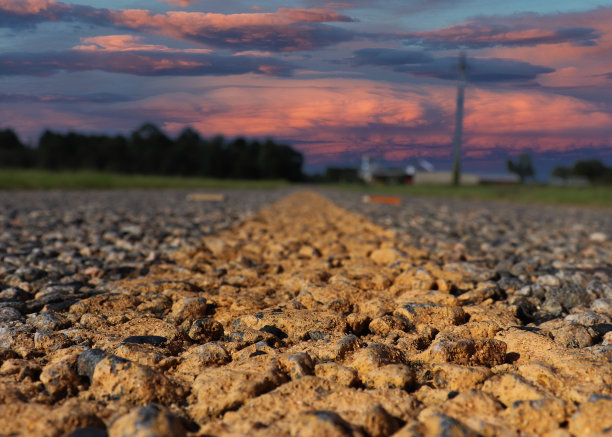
313,15
26,6
575,65
126,43
334,118
185,23
481,35
284,30
183,3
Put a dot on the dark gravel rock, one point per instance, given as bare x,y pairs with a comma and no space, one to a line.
12,294
152,420
154,340
568,297
206,330
88,432
88,361
9,314
48,321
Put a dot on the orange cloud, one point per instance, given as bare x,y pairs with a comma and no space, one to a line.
534,120
127,43
183,23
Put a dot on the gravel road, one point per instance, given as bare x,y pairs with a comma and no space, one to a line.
127,312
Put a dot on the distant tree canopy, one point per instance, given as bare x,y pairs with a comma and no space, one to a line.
523,167
594,170
12,152
148,150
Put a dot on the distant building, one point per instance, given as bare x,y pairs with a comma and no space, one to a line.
422,172
372,172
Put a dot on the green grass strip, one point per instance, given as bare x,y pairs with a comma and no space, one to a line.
44,180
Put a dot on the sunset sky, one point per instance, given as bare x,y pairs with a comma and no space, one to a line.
335,79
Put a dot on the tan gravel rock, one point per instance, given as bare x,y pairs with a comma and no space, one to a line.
438,316
593,418
220,389
336,373
510,387
460,378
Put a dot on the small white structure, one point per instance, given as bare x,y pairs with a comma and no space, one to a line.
421,165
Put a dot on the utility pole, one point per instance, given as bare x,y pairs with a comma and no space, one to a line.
459,119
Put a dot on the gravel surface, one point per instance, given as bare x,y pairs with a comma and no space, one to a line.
142,313
518,243
58,235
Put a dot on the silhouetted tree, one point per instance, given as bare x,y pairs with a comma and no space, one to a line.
12,152
115,155
50,151
523,167
148,150
594,170
184,156
215,159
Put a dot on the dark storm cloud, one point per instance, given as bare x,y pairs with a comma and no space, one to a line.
478,35
16,17
424,65
139,63
386,57
276,38
479,70
60,98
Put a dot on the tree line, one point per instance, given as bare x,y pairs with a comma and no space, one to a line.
594,170
148,150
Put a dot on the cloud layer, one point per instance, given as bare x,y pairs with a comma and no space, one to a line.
140,63
475,35
329,78
287,29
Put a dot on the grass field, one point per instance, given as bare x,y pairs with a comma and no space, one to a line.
38,179
597,196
